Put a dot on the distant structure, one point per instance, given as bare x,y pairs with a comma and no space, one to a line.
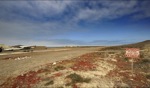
4,46
15,48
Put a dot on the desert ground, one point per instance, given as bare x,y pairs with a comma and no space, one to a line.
80,67
16,63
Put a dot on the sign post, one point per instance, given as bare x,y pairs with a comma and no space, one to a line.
132,53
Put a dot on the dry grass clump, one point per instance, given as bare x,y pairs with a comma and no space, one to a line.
148,76
50,82
75,78
126,59
143,65
60,87
144,61
57,68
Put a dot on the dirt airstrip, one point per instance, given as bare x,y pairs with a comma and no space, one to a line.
71,68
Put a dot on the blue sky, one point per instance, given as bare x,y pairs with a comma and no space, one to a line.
70,22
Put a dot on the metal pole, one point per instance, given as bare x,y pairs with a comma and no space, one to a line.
132,67
132,71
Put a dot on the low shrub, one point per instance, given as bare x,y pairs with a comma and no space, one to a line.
145,61
59,68
148,76
61,87
126,59
77,79
51,82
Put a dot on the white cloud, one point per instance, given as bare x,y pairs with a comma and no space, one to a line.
28,30
108,10
24,21
143,11
51,7
100,9
31,9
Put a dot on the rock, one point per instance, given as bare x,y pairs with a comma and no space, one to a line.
54,63
122,85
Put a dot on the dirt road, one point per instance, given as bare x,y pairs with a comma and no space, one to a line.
14,67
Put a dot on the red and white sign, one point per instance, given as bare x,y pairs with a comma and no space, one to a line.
132,52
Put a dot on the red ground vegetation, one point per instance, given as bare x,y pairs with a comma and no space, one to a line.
83,65
22,81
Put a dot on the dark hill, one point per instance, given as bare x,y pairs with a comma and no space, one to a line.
140,45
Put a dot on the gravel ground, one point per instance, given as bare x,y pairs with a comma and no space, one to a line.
73,68
21,63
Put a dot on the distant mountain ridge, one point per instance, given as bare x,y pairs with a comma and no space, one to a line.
140,45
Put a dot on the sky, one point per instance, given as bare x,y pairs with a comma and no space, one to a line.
74,22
